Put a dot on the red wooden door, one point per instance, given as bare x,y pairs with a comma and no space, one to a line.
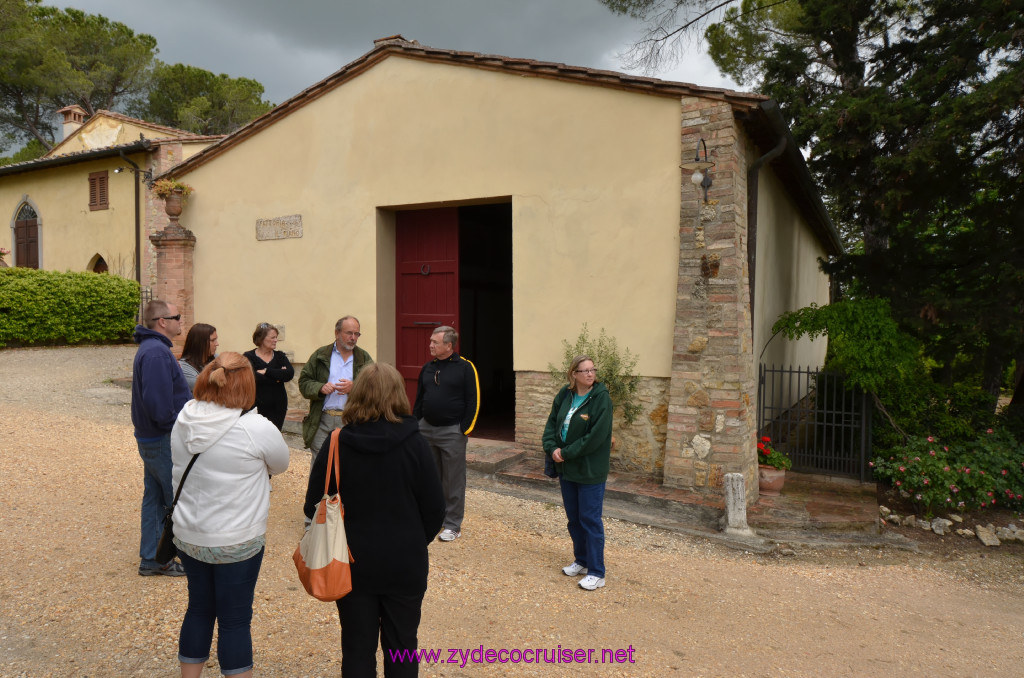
427,288
26,243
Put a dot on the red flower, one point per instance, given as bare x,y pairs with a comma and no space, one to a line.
765,439
931,439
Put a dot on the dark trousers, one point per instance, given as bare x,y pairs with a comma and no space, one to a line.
221,593
365,617
156,494
584,505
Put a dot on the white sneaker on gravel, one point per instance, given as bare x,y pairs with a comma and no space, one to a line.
574,569
590,582
449,535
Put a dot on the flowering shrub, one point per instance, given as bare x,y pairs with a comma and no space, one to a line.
985,473
769,456
4,252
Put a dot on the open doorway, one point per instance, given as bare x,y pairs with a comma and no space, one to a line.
485,305
454,266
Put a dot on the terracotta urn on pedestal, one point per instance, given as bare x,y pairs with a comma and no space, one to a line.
770,480
172,205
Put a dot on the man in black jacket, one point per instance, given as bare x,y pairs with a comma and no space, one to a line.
447,404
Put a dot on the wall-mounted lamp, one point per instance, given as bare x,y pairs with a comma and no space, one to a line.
147,175
701,176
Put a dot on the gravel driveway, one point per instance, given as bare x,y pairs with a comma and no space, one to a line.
71,603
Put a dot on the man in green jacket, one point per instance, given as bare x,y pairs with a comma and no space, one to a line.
326,380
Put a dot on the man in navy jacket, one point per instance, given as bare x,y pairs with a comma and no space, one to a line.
159,391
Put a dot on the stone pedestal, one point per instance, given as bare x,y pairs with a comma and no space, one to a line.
175,249
735,521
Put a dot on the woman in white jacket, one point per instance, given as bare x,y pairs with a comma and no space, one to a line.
220,520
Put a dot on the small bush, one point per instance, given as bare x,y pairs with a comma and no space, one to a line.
50,307
614,369
985,473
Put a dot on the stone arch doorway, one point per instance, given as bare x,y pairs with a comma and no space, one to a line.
26,237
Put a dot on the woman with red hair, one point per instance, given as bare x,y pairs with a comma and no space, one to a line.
220,520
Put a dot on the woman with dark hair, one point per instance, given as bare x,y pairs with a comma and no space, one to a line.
578,438
393,509
200,348
220,520
272,369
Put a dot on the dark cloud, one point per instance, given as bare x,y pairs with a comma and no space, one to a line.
290,45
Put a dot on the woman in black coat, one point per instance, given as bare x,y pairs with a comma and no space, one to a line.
272,369
394,508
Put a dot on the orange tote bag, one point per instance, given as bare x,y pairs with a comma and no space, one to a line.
322,557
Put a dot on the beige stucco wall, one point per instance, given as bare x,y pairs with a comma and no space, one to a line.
102,132
594,183
787,276
70,234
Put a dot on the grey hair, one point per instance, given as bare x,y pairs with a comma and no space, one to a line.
450,335
337,325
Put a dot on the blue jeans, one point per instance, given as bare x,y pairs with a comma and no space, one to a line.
583,507
221,593
157,493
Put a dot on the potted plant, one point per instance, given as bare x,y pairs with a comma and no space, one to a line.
174,193
165,188
771,467
3,253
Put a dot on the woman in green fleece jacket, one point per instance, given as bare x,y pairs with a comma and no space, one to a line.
578,438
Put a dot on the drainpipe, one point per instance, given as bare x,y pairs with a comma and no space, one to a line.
138,221
752,173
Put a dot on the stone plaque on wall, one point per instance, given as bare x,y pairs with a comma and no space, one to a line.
279,228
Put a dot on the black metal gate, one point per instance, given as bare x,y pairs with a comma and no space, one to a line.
809,414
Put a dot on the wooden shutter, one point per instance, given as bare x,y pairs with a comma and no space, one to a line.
98,194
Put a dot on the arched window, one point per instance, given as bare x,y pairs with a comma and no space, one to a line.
98,265
26,237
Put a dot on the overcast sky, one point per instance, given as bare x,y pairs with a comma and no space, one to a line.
290,44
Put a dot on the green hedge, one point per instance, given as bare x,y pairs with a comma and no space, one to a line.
48,307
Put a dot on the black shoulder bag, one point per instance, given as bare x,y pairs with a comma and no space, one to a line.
165,548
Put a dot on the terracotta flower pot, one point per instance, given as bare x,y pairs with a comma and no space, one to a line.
770,480
172,204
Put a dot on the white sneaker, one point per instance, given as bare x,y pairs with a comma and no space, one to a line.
590,582
449,535
574,569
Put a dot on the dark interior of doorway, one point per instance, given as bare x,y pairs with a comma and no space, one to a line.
485,309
